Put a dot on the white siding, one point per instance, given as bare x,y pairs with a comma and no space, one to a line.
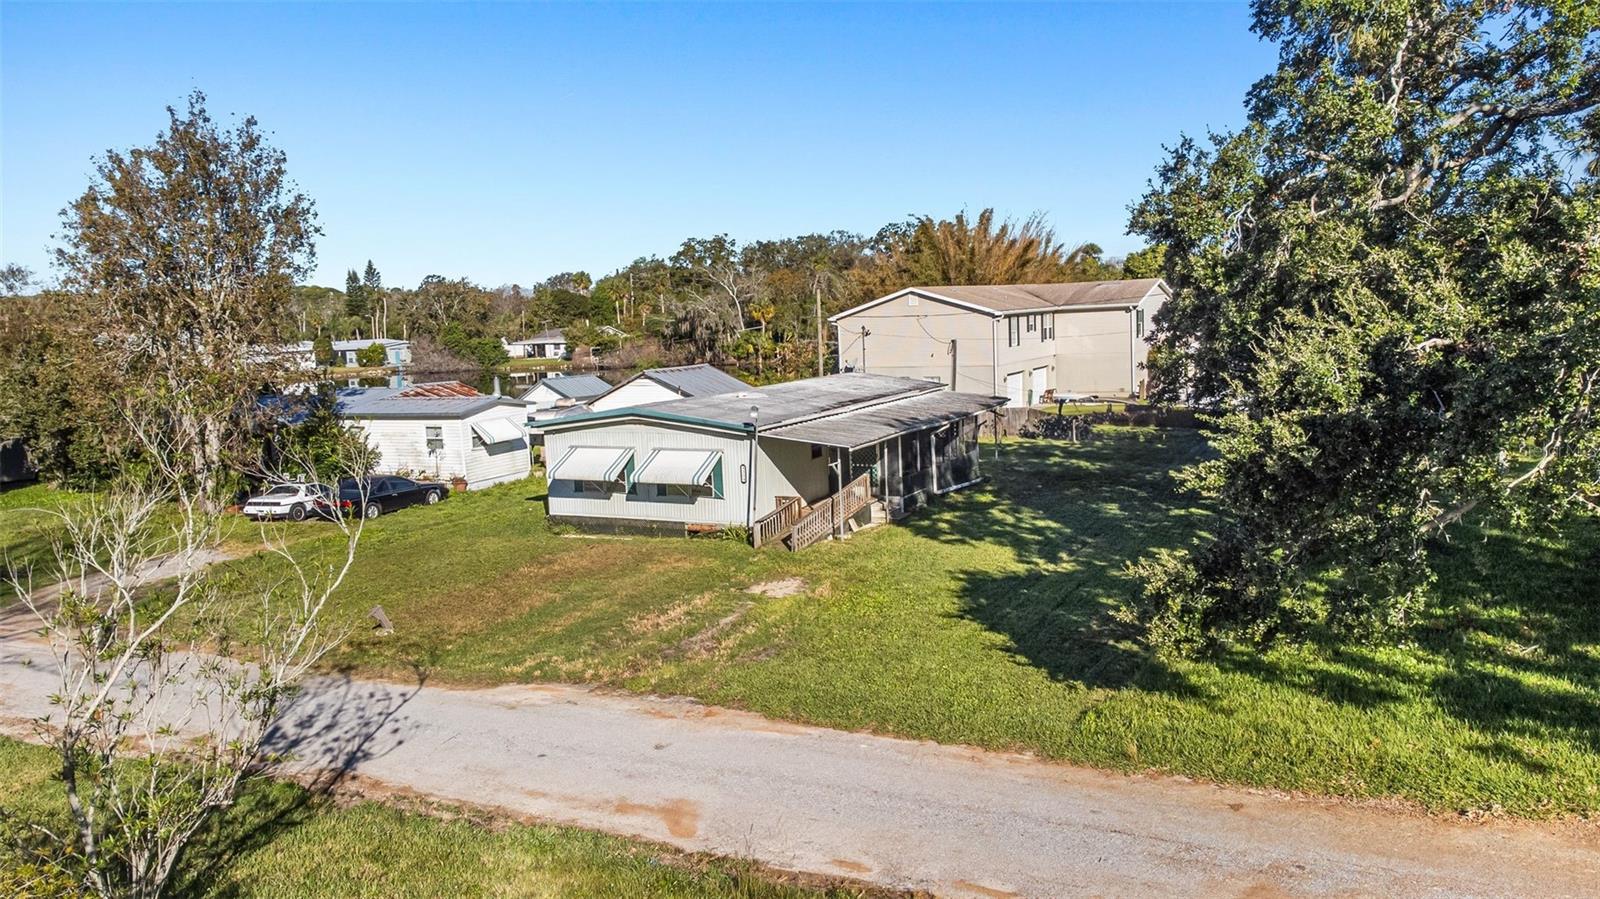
638,392
910,337
402,445
1095,351
783,468
494,463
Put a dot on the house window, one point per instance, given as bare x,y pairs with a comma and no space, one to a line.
678,490
1047,330
435,437
1138,323
1014,331
592,488
1032,322
816,450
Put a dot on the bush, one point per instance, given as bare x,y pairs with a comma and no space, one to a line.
322,351
373,355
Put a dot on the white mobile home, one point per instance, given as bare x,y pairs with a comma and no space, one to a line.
563,390
550,344
1020,341
442,430
660,385
743,458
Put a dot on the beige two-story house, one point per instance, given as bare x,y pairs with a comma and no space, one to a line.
1011,340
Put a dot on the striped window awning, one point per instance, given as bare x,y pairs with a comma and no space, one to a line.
680,467
498,430
592,463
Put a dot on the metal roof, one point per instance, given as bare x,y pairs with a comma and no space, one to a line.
437,388
864,427
388,402
788,411
694,380
573,387
1000,299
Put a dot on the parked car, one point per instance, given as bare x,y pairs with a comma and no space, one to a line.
385,494
291,501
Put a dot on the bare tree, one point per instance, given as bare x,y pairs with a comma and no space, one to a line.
178,260
164,705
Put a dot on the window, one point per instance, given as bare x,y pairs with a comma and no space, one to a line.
1014,331
816,450
435,437
1138,323
671,490
1047,330
1032,322
592,488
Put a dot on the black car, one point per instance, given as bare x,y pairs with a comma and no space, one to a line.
385,494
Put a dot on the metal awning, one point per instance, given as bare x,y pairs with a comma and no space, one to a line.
592,463
864,427
682,467
498,430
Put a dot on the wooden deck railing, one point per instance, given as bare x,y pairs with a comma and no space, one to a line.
815,527
819,522
777,525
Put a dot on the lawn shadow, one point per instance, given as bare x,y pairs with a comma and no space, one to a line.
331,726
1073,515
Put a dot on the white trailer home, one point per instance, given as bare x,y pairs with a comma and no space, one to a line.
794,462
1021,341
660,385
441,430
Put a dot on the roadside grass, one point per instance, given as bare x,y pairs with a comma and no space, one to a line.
283,841
987,619
26,524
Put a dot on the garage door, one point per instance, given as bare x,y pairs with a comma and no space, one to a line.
1014,389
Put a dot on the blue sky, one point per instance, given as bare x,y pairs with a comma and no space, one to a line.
505,142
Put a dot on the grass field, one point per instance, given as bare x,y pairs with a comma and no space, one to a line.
986,620
284,842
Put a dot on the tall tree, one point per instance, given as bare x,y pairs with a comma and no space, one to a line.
1391,281
179,260
356,304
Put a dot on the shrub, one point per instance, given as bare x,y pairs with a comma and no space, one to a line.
373,355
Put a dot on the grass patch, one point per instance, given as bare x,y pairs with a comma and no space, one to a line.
986,620
282,841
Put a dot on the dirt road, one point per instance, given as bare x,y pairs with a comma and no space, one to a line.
952,820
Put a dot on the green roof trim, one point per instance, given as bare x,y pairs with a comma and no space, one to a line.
566,421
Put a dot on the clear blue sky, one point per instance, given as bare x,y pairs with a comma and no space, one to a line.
505,142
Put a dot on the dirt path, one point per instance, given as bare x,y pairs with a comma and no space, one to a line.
17,619
907,814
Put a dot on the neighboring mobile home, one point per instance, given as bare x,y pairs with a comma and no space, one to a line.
550,344
1016,340
441,430
563,390
739,458
659,385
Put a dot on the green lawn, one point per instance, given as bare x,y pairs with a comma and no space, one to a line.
282,841
26,524
986,620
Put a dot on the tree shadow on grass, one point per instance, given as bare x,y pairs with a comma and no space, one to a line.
1510,652
1073,515
334,724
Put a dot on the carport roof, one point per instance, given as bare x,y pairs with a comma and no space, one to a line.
814,410
864,427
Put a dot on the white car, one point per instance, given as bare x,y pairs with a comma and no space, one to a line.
291,501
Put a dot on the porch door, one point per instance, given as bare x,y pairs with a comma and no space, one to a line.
1041,377
1014,389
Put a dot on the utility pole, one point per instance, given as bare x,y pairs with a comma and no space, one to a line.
821,346
953,368
865,333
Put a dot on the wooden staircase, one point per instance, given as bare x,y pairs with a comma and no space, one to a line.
796,526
